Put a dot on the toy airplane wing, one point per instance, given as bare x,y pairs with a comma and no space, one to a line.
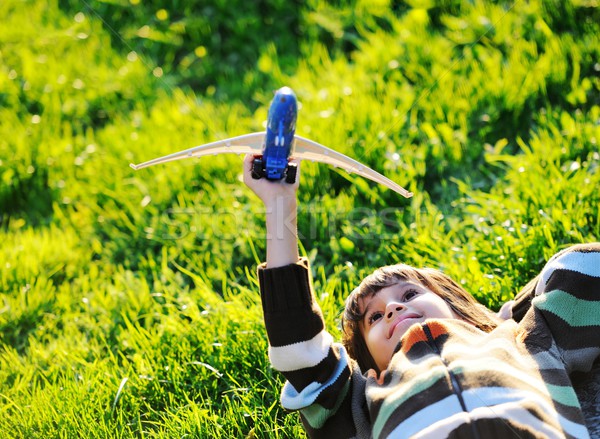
308,150
246,144
304,150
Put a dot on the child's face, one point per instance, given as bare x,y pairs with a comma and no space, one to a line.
392,310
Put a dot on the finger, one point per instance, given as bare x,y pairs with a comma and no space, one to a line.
248,159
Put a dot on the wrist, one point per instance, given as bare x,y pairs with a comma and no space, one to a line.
281,203
281,219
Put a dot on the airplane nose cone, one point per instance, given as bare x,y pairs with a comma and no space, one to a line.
285,91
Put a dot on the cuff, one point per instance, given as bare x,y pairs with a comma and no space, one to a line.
291,314
285,288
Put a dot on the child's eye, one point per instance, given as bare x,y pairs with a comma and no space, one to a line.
410,294
374,317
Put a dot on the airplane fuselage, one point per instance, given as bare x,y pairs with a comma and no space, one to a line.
279,140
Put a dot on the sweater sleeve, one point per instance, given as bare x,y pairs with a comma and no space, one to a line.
318,371
567,294
522,301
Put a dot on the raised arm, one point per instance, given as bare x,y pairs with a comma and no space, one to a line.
320,377
279,199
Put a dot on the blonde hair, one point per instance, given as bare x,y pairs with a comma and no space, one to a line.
459,300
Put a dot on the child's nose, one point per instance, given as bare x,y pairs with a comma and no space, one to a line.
392,309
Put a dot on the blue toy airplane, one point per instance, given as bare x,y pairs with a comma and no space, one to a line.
273,148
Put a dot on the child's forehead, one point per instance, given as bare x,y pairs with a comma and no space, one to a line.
382,293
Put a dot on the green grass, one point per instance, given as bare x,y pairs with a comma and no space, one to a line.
128,300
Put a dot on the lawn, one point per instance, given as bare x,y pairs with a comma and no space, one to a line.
129,301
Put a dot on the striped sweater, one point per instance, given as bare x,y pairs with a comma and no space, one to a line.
446,377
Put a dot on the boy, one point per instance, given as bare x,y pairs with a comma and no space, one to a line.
439,365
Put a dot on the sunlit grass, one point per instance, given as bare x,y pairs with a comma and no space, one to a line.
129,302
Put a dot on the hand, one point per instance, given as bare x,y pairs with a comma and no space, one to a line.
269,191
505,313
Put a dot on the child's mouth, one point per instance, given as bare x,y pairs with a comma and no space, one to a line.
403,322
